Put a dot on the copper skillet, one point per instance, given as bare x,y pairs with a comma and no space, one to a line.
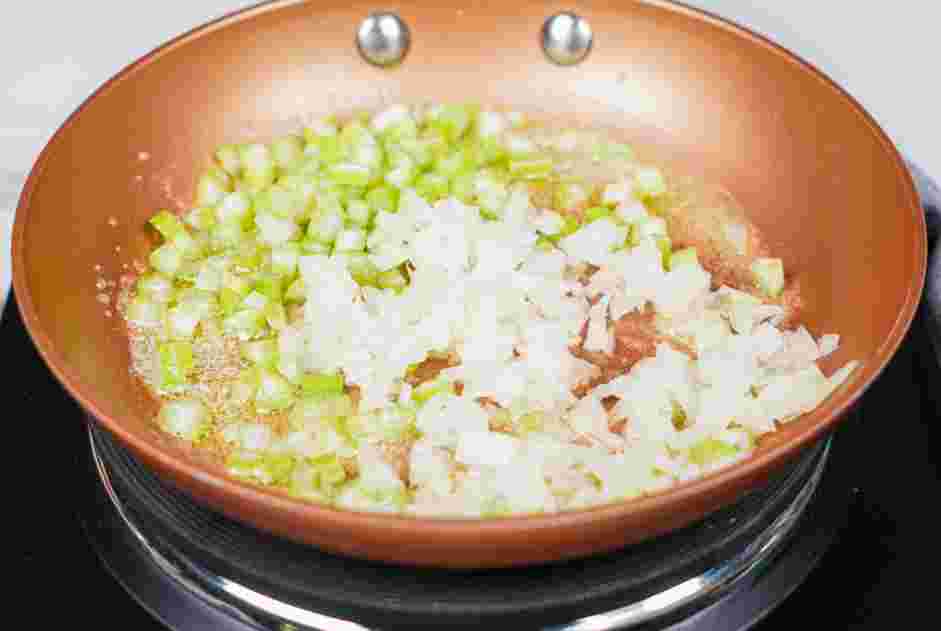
812,169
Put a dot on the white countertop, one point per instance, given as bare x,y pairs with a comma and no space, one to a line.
53,54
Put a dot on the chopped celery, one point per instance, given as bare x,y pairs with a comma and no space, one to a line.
686,256
530,422
191,247
245,323
315,411
276,316
280,201
350,174
462,186
473,154
224,236
570,224
452,120
546,243
287,151
383,199
229,300
326,225
391,279
769,276
597,212
320,385
144,312
248,255
188,272
449,165
358,212
310,246
359,145
212,187
176,364
393,423
318,478
274,392
155,287
710,450
209,277
323,128
201,218
167,224
274,231
432,186
182,321
304,189
400,176
284,259
296,292
255,300
261,352
362,269
666,249
419,151
325,147
491,191
240,284
348,194
350,240
202,302
243,389
258,166
429,389
490,151
490,124
494,507
167,259
266,468
403,126
358,495
185,418
234,207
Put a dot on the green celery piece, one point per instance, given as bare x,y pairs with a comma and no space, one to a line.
321,385
167,224
176,364
709,450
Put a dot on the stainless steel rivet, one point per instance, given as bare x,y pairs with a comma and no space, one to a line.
383,39
566,38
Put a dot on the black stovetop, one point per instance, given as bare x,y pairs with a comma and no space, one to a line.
874,576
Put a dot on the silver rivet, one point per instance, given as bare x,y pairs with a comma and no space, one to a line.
383,39
566,38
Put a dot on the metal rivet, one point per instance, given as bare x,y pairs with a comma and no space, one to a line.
383,39
566,38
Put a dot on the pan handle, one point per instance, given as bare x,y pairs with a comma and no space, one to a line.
383,39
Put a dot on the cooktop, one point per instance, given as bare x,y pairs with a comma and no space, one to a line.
857,557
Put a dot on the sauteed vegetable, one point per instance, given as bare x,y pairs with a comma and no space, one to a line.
451,311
